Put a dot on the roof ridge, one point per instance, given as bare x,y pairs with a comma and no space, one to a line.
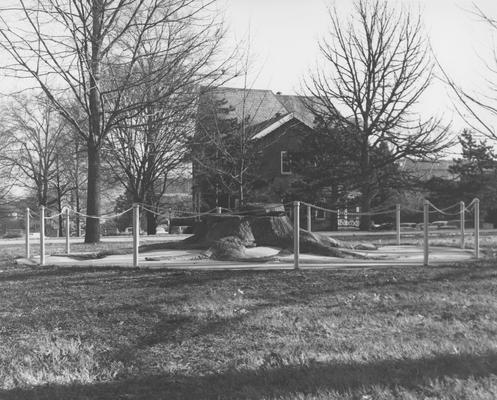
242,89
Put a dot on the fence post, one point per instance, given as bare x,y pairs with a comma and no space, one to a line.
477,228
426,220
218,210
42,235
309,221
27,223
462,208
296,233
397,222
136,233
68,231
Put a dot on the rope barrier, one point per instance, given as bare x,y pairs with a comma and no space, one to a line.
56,215
229,212
442,211
150,211
102,217
320,208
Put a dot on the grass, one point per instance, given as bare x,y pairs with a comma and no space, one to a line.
120,333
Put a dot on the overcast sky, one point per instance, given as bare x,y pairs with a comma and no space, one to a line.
284,35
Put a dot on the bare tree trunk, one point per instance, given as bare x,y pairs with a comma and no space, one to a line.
92,234
151,223
61,217
78,210
365,220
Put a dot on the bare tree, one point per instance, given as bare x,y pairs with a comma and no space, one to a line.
479,108
223,149
375,68
35,133
74,48
146,149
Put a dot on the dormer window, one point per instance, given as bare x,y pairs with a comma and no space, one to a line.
285,163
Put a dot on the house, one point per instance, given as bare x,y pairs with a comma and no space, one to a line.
277,123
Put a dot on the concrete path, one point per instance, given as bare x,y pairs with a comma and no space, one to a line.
387,256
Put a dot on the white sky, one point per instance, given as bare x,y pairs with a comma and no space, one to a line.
284,35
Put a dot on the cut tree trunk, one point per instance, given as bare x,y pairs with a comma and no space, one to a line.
276,231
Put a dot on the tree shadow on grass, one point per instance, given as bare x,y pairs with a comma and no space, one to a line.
175,276
276,381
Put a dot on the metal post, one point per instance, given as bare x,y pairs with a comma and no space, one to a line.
477,228
426,219
309,221
218,210
397,222
462,209
68,231
136,233
296,233
42,235
27,223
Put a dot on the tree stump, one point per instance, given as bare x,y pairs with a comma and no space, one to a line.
249,231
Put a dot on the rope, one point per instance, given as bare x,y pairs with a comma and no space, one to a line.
470,206
442,211
33,214
321,208
55,216
151,211
102,217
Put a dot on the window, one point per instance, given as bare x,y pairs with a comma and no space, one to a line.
285,163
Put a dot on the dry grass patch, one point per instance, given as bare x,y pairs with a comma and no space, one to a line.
109,333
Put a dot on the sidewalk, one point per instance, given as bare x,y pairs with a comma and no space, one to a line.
387,256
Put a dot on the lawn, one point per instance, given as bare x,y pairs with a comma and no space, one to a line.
120,333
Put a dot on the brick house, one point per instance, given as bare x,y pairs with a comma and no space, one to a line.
277,122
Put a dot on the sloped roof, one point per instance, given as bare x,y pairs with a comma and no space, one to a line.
297,106
275,124
261,106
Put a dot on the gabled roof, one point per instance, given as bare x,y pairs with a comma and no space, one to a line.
264,109
276,124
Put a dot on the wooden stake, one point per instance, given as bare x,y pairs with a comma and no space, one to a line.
296,234
68,231
397,222
477,228
42,235
309,220
27,223
462,221
136,233
426,219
